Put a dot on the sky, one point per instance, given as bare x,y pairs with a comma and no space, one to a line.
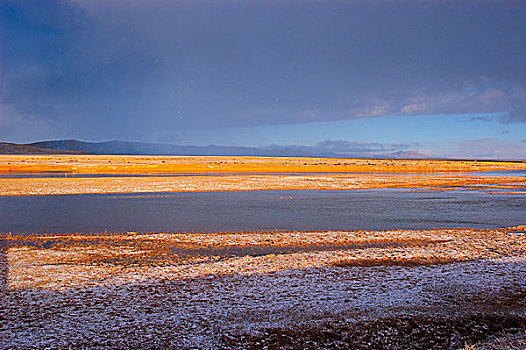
443,77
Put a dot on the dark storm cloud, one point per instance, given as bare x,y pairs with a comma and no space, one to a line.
115,69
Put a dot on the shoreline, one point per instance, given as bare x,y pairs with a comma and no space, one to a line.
124,185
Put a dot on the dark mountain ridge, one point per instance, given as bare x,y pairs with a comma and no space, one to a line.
116,147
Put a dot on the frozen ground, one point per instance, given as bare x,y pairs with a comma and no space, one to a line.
437,289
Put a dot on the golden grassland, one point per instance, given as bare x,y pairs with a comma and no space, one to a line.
240,182
94,164
246,174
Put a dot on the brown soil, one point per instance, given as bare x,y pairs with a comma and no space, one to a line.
404,333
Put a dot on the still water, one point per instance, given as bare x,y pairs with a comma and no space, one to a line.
259,211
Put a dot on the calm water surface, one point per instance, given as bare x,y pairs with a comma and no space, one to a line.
259,211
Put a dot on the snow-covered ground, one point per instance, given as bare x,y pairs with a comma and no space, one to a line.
193,291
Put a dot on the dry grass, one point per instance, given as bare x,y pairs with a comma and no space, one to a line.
245,174
53,186
223,164
59,262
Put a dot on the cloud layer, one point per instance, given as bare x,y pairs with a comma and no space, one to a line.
104,69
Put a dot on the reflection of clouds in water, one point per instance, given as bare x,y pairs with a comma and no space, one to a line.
3,267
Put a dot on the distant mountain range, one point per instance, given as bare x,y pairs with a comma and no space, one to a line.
140,148
15,148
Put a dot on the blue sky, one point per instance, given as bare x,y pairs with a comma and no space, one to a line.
417,130
444,77
482,135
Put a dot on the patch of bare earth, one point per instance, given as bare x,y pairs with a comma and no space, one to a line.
508,341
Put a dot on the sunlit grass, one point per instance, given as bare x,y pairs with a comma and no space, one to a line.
94,164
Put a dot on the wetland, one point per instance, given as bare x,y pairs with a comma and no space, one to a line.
247,252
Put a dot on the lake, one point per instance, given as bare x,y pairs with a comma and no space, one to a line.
260,211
